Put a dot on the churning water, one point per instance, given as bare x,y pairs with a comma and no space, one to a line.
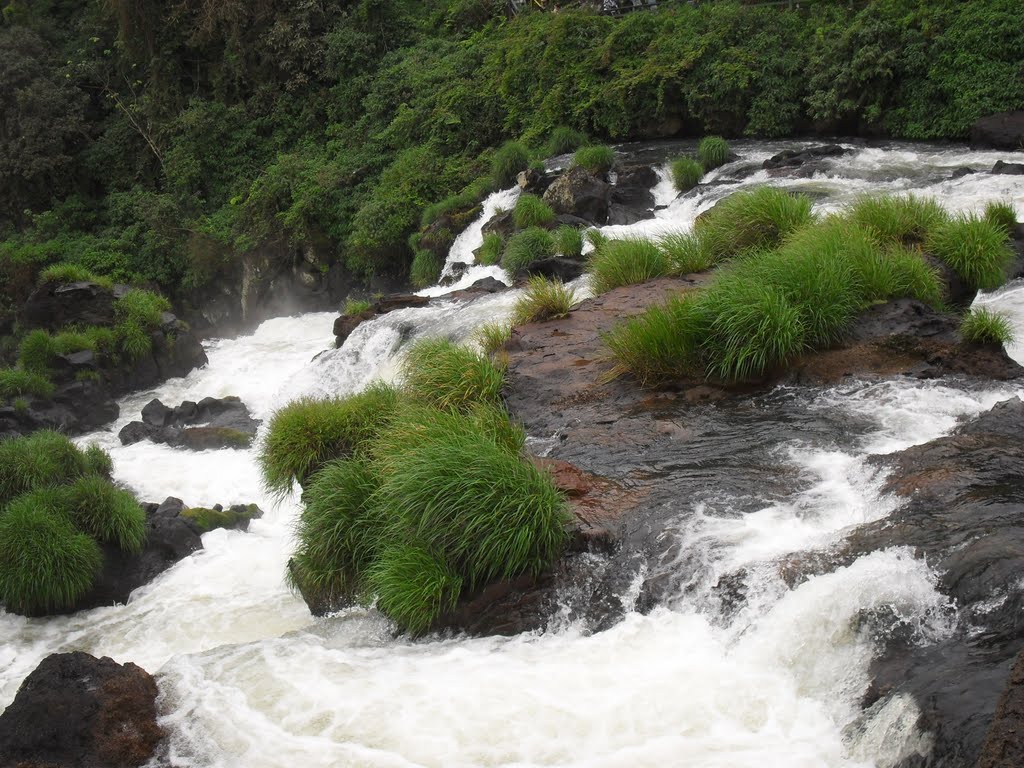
250,679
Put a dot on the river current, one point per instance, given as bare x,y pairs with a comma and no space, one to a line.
249,679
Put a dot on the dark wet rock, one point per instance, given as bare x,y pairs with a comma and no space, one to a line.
534,182
959,173
1000,131
803,162
555,268
501,223
454,273
1004,743
55,305
578,192
77,710
482,286
235,518
345,324
631,197
1007,169
1017,244
226,423
76,407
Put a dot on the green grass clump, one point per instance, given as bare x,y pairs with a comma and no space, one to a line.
67,342
101,339
41,459
71,273
542,300
526,247
531,211
569,241
426,269
975,248
713,151
686,173
355,306
307,433
15,382
624,262
37,352
598,160
107,513
98,461
492,336
45,563
983,326
686,253
491,250
413,585
509,159
563,140
746,221
463,202
898,220
442,374
134,340
1002,215
144,308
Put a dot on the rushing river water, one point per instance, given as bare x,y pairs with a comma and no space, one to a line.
249,678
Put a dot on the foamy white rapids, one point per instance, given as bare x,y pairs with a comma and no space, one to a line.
249,678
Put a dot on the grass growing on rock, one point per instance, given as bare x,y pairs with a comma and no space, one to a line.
975,248
713,151
355,307
747,221
625,262
493,336
686,173
42,459
542,300
491,250
569,241
71,273
446,375
531,211
563,140
36,352
526,247
426,269
15,382
898,220
686,253
107,513
1002,215
983,326
508,160
598,159
413,585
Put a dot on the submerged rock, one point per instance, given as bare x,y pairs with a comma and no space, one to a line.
77,710
803,162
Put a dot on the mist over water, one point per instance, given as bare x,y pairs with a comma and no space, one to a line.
249,678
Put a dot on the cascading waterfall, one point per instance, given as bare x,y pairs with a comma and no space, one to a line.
248,678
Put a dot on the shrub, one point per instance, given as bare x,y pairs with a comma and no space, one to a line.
41,459
307,433
15,382
526,247
490,251
426,269
975,248
45,564
542,300
686,173
746,221
355,306
531,211
413,586
713,151
624,262
898,220
36,352
685,252
509,159
104,511
1002,215
442,374
493,336
983,326
563,140
569,242
598,160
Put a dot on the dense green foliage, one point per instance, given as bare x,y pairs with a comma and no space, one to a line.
442,374
15,382
526,247
686,173
159,143
983,326
542,299
531,211
492,336
713,151
57,505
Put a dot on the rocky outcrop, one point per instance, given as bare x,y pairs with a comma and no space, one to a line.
345,324
56,305
226,424
631,197
1004,743
77,710
235,518
578,192
76,407
1007,169
1001,131
803,163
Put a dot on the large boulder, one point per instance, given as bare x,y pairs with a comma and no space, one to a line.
1007,169
631,197
803,162
77,710
225,423
1001,131
579,193
55,305
345,324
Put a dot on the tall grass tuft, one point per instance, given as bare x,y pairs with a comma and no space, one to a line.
527,247
542,300
36,352
41,459
355,307
45,564
563,140
413,585
569,241
1002,215
144,308
598,160
72,273
426,269
446,375
307,433
983,326
493,336
686,253
509,159
686,173
107,513
531,211
976,249
15,382
491,250
98,461
747,221
898,220
624,262
713,151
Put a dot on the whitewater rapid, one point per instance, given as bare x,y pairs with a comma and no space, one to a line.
250,680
